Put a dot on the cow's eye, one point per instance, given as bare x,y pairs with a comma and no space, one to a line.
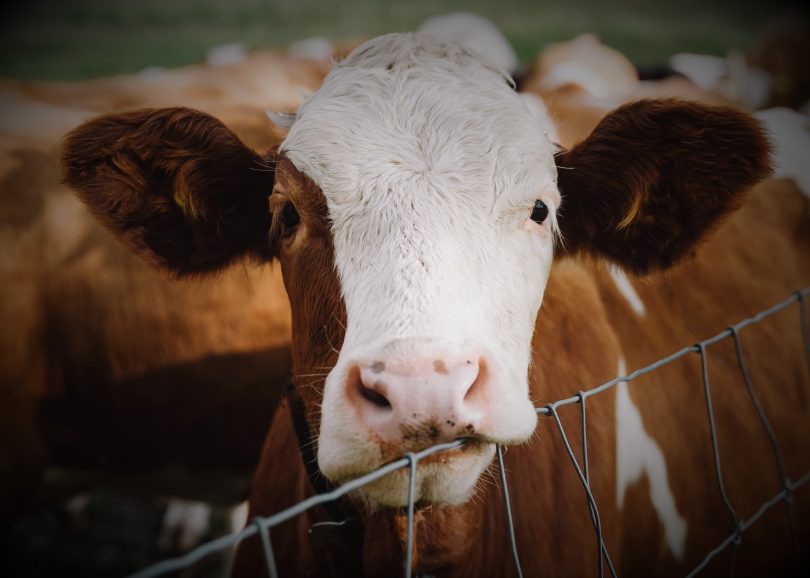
539,212
289,219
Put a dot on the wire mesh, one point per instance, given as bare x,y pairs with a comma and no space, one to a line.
510,523
262,525
412,461
267,547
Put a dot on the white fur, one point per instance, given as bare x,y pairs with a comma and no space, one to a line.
184,524
790,136
638,454
226,54
731,76
580,74
315,48
237,517
430,164
704,70
625,287
475,32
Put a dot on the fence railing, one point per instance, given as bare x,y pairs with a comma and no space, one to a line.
262,525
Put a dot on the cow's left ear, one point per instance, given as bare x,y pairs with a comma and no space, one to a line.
175,185
654,177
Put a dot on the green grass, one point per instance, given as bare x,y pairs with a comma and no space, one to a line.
74,39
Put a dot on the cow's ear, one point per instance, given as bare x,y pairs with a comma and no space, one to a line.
654,177
176,185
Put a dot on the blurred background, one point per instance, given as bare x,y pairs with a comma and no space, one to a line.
164,475
72,39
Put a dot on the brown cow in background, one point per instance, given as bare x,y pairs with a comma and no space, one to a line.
107,366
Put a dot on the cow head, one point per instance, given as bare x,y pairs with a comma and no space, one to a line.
403,209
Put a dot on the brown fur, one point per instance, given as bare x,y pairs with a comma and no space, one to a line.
109,370
735,275
175,184
653,177
310,277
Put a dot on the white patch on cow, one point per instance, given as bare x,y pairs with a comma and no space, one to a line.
596,74
238,516
430,164
625,287
747,84
282,119
790,136
184,524
475,32
579,74
638,454
315,48
226,54
731,76
702,69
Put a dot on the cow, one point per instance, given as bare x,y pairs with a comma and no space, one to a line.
421,211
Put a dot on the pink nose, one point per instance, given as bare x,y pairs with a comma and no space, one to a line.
421,402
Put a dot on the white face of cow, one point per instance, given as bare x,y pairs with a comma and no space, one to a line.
430,165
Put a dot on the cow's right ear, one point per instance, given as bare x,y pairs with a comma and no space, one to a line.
654,178
176,185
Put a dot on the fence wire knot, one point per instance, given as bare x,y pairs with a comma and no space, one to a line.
267,546
738,531
787,488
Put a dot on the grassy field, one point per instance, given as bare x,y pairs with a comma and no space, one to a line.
73,39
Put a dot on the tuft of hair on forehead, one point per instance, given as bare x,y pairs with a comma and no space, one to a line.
413,48
407,107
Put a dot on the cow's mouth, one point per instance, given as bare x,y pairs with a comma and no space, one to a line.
468,445
448,476
424,452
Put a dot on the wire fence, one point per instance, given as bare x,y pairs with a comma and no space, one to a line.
262,525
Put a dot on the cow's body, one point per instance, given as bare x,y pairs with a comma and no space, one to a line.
410,240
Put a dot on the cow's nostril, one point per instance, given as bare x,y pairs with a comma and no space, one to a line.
366,390
375,397
476,388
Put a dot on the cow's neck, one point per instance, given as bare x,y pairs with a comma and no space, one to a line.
338,510
446,538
